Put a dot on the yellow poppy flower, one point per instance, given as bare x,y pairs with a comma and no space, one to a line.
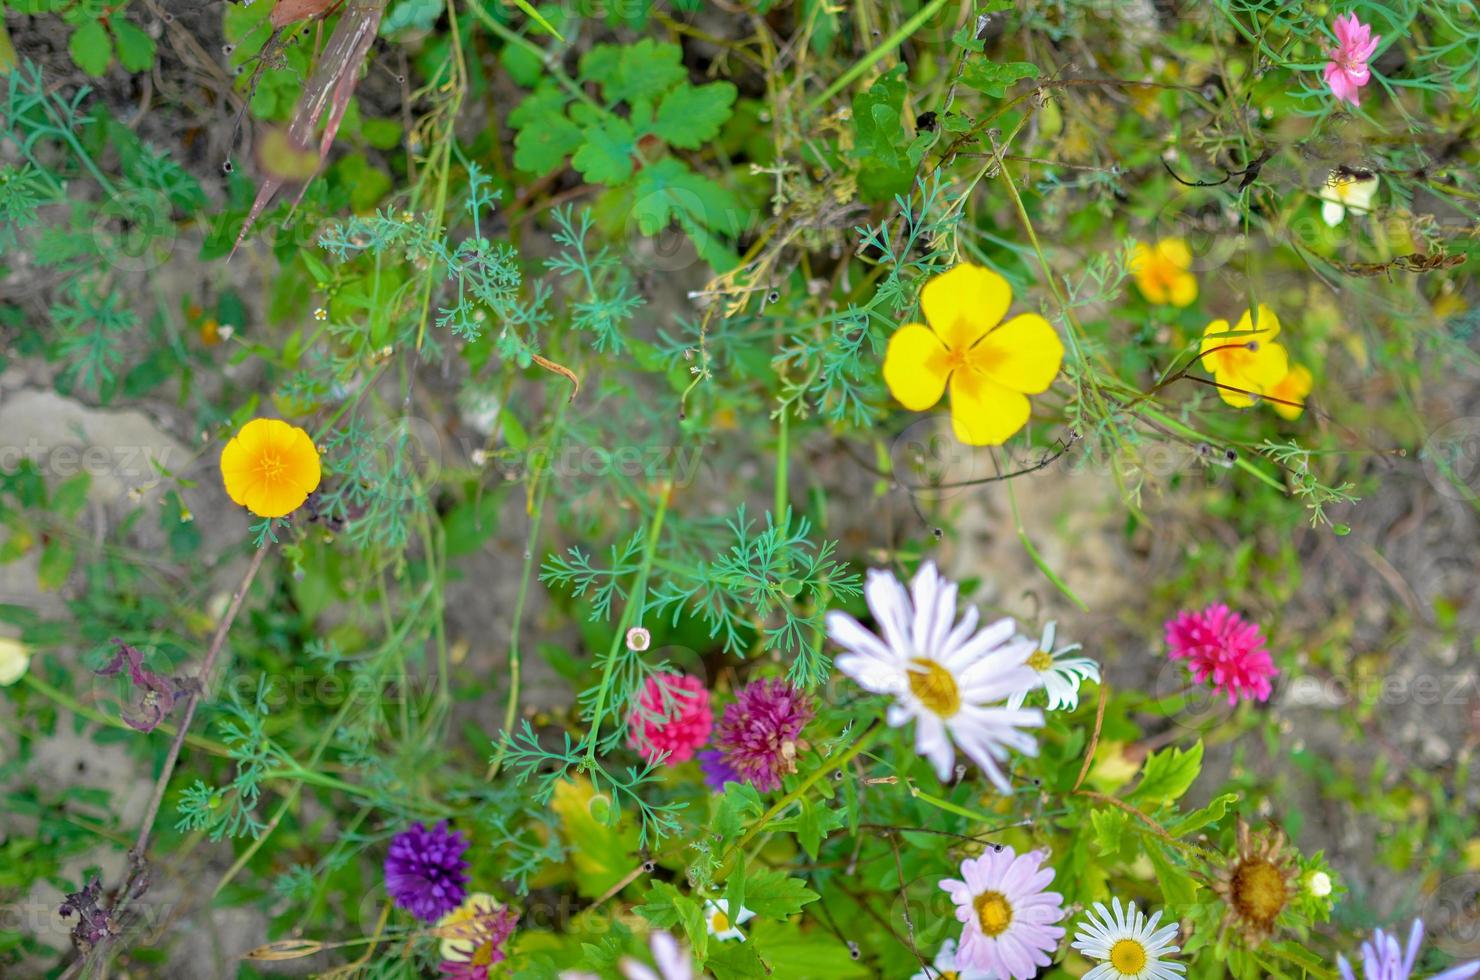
270,467
1161,272
991,366
1293,387
1245,357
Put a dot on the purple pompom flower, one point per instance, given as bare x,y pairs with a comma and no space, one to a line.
761,732
425,871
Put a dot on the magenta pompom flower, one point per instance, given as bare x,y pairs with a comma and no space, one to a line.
1007,917
425,871
1347,70
760,733
1218,644
672,717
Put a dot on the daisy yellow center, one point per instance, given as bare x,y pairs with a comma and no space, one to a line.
1041,660
721,922
1128,956
994,912
935,687
1258,891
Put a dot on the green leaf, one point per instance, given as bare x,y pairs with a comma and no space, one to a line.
668,189
993,78
737,807
688,117
1198,819
544,137
1167,775
135,48
644,70
812,823
1178,888
1110,827
606,156
91,48
68,498
771,892
886,155
56,563
736,961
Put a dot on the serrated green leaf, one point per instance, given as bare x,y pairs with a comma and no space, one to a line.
668,189
689,117
1198,819
91,48
544,136
1167,775
736,961
811,823
644,70
886,155
1110,827
1178,889
771,892
135,47
605,156
992,78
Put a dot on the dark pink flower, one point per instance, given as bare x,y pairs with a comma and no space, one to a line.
672,716
759,733
1218,644
1347,70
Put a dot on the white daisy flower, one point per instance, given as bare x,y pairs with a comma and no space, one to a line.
721,926
944,967
1058,673
1129,946
947,677
672,961
1347,191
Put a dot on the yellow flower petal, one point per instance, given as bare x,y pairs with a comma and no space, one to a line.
915,367
270,467
964,302
1175,252
1161,272
1293,387
983,413
1024,354
1183,290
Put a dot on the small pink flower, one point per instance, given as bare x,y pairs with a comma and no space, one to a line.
1219,644
672,716
1347,70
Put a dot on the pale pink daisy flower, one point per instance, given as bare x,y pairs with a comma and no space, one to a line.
1218,644
1347,70
945,676
946,967
1008,919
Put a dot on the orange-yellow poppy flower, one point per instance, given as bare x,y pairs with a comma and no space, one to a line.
990,366
1245,357
1161,272
270,467
1293,387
